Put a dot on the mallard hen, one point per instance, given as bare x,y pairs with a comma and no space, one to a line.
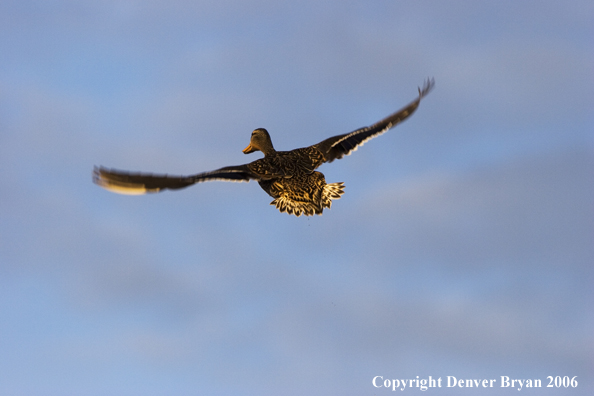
290,177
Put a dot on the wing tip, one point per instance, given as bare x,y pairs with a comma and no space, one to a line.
428,85
101,177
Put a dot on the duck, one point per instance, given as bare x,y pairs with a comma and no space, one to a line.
290,177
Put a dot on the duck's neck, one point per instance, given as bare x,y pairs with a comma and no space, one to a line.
268,150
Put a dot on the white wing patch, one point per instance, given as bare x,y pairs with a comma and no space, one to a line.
362,142
223,179
125,188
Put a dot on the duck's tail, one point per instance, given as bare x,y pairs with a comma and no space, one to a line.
331,191
296,205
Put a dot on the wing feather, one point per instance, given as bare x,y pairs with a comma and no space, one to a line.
338,146
131,183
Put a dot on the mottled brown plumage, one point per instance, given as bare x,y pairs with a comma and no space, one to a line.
290,177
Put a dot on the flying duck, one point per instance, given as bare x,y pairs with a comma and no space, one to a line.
290,177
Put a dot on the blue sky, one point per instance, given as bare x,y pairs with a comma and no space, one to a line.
462,245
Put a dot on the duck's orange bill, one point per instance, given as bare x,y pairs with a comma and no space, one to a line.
248,149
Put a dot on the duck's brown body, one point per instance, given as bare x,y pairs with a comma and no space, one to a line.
290,177
302,194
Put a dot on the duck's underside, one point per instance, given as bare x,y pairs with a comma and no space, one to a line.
302,194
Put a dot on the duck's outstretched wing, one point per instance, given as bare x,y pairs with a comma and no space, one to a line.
338,146
123,182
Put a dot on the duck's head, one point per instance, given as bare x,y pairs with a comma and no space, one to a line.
260,140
